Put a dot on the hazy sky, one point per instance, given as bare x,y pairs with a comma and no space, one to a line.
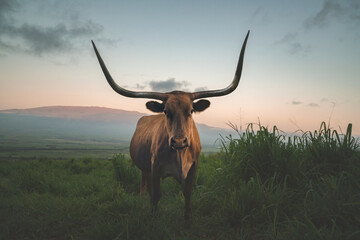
302,62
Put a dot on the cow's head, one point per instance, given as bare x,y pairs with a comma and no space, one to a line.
177,106
178,109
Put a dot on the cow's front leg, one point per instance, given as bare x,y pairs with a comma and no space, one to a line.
155,187
187,191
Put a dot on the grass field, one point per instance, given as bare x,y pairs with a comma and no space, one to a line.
25,148
262,185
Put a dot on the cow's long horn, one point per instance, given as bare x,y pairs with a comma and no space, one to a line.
123,91
233,85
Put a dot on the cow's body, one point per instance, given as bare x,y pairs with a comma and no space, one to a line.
168,144
151,152
149,145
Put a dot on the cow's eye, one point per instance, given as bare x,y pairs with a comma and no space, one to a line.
165,112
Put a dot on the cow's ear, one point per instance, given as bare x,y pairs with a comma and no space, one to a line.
201,105
155,106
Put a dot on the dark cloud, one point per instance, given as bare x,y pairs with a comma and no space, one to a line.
39,40
331,9
294,102
163,86
8,5
168,85
355,14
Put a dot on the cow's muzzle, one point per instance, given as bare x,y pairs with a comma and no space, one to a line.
179,143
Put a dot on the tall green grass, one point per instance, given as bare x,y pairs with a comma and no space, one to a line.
263,185
302,187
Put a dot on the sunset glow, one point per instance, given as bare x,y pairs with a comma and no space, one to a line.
301,64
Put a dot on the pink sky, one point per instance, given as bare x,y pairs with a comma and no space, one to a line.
301,63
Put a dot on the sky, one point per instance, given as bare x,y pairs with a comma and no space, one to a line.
301,66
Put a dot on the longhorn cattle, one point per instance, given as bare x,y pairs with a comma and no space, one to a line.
168,144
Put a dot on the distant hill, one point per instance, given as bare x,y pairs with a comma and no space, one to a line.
71,122
80,113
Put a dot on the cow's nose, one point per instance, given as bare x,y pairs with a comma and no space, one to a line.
178,143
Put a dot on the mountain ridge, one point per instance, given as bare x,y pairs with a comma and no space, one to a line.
84,122
79,113
90,113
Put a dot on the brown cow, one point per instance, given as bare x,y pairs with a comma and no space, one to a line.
168,144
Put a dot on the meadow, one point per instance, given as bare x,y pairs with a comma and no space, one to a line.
261,185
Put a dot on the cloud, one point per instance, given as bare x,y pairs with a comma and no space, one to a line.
260,15
298,47
39,40
257,12
7,5
199,89
294,102
331,9
324,99
313,105
289,37
168,85
140,86
294,46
